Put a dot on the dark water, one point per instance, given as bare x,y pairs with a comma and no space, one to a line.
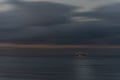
59,68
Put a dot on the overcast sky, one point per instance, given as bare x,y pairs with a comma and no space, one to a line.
60,21
86,4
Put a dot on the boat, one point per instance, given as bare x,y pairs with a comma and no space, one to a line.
80,54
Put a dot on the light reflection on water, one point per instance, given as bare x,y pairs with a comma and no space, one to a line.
59,68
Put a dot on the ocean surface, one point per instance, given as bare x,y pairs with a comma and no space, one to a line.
60,68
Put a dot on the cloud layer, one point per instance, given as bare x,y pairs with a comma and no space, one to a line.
51,23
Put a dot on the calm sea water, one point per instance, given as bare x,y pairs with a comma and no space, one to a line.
59,68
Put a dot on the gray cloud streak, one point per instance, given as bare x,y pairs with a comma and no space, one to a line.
109,12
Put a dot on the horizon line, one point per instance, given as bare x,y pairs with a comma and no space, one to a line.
13,45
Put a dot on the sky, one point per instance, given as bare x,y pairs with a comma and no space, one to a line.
60,22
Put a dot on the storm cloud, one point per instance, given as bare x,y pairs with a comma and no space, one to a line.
52,23
42,13
21,20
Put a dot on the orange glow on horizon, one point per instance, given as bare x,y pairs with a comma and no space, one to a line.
55,46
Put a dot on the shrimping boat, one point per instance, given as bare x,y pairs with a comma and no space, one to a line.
80,54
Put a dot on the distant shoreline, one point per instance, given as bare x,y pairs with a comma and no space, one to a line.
28,50
55,46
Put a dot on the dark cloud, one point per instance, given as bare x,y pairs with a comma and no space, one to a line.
87,33
17,24
41,13
26,24
72,33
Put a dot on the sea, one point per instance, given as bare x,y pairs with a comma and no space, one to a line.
59,68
